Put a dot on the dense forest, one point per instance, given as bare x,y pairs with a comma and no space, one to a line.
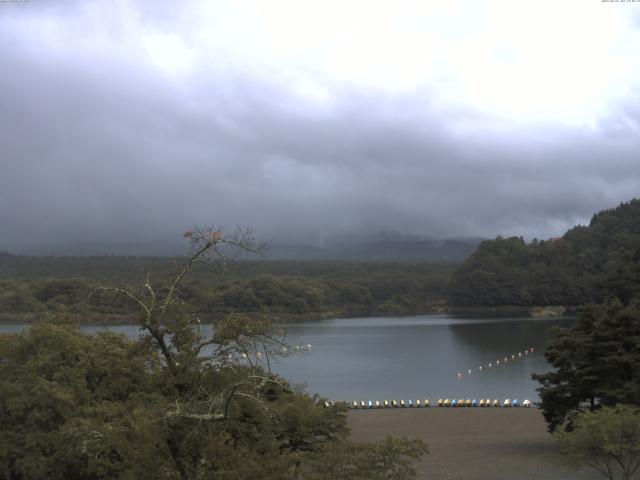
595,362
33,287
585,265
177,404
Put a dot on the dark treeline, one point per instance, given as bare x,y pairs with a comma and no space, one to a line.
587,264
33,286
596,362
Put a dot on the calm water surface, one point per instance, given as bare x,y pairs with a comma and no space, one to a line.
420,357
410,357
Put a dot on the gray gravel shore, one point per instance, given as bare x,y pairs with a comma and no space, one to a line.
473,443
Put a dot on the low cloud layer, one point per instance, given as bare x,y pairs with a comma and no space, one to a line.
107,141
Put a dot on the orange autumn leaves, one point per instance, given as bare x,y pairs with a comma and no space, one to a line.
208,236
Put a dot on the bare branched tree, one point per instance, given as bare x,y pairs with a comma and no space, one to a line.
243,345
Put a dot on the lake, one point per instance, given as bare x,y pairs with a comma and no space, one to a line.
411,357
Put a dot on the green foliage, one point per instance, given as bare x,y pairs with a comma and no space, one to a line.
79,406
177,404
597,362
73,406
15,296
297,289
607,440
586,265
274,294
61,291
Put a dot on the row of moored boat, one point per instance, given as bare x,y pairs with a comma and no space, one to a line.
441,403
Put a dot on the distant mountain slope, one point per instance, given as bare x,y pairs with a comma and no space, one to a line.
98,266
584,265
384,247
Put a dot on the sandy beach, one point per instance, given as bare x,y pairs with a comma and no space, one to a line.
473,443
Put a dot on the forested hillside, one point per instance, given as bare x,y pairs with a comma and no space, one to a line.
32,287
587,264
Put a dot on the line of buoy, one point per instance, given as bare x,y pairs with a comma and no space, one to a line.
294,348
503,360
440,403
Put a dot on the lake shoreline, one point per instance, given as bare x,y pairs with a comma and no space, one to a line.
94,319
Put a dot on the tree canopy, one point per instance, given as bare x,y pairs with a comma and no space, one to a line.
587,264
177,404
33,287
607,440
596,362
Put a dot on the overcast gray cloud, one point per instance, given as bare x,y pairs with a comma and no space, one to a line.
129,123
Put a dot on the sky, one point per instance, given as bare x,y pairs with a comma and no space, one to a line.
126,122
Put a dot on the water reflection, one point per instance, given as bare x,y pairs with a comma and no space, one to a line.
417,357
409,357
